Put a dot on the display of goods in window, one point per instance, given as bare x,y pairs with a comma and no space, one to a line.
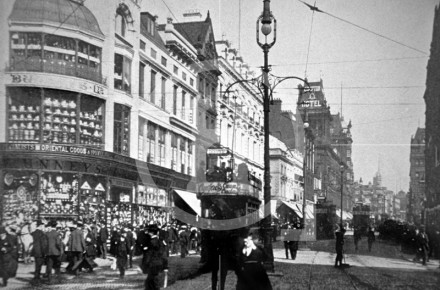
59,194
19,197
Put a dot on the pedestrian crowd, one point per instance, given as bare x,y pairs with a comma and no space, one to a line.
79,243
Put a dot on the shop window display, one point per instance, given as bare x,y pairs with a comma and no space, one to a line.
92,197
55,54
60,117
59,194
24,114
119,206
91,121
19,197
54,116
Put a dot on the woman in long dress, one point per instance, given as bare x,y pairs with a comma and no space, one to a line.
251,272
8,256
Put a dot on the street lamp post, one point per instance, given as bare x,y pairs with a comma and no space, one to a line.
305,165
342,169
265,21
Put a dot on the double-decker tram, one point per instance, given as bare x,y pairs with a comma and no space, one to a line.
230,200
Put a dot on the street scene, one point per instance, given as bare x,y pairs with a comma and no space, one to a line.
213,144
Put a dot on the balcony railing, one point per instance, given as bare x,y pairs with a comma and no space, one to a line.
56,66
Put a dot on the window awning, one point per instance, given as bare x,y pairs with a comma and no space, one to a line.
294,207
346,215
309,211
191,199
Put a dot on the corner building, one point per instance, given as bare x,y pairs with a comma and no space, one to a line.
99,116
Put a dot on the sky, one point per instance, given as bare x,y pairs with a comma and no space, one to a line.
371,54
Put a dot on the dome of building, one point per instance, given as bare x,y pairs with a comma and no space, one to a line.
67,14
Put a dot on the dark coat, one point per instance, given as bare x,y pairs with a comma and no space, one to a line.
183,237
76,242
339,240
130,240
90,243
40,244
121,251
55,245
172,235
371,237
422,242
251,273
8,257
155,258
142,241
102,236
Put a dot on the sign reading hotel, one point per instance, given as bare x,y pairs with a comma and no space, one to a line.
227,188
57,82
311,101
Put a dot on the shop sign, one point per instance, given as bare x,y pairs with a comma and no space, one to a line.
58,82
69,149
229,188
99,187
121,183
217,151
86,186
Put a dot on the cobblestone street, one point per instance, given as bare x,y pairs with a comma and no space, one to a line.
384,268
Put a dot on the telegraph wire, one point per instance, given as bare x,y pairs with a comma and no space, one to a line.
314,8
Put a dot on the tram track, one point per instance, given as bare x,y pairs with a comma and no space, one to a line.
310,270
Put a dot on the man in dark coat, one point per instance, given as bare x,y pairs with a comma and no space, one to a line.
155,259
131,241
39,250
370,238
339,235
184,241
102,240
290,242
422,243
172,239
8,256
142,240
121,250
77,247
55,249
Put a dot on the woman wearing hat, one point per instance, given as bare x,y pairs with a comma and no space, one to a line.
251,273
8,256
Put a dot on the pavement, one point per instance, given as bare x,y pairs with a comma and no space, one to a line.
384,268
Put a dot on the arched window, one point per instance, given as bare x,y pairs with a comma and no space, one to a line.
121,25
123,19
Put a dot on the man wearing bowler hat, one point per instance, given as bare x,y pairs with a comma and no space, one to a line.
77,247
55,248
155,259
39,250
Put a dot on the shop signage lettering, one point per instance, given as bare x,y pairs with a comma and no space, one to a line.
58,81
230,188
68,166
217,151
65,149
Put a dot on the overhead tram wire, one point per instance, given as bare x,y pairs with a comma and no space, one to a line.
310,40
352,61
314,8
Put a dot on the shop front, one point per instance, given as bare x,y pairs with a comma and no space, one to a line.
62,182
